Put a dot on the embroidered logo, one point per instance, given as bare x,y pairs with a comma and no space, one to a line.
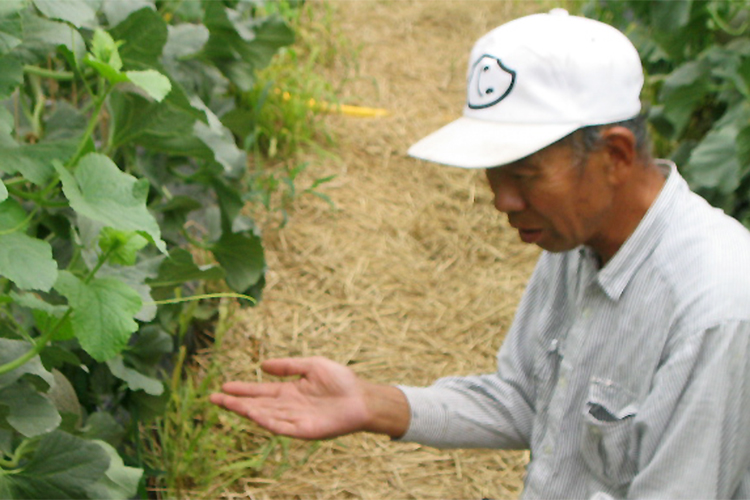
489,83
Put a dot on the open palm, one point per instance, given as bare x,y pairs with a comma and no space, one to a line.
327,400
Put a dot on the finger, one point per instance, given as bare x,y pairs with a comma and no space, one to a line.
251,389
286,367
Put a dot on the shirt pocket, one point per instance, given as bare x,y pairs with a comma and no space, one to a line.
608,437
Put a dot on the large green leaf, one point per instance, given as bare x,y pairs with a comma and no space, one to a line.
670,15
239,46
117,11
179,268
12,216
165,127
11,75
146,34
31,413
151,82
11,350
683,91
80,13
11,30
135,380
63,466
241,255
220,140
120,482
714,164
27,261
100,191
135,277
103,311
42,36
34,161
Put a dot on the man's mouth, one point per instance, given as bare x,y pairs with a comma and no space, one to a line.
530,235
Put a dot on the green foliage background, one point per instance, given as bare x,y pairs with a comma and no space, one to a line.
121,201
696,54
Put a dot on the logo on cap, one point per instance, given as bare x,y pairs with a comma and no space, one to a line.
489,83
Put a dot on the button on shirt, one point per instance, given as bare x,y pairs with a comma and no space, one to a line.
629,381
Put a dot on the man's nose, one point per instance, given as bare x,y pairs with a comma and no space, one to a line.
508,198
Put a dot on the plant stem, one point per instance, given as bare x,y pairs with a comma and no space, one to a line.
99,103
39,98
38,346
48,73
102,259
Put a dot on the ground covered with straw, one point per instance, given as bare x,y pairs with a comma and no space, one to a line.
411,277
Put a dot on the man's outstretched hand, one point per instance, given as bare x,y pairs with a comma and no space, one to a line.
326,401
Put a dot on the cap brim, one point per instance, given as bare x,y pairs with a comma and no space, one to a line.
472,143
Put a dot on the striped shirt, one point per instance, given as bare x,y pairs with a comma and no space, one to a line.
629,381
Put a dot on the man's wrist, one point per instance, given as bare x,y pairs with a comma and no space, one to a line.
388,410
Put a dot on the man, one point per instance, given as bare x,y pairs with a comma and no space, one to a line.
626,370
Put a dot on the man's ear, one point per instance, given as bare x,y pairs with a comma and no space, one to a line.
620,149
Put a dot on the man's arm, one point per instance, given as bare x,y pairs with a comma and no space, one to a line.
695,423
325,401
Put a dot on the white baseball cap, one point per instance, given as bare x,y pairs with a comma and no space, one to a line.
531,82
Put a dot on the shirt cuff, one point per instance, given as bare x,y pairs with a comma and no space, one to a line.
429,417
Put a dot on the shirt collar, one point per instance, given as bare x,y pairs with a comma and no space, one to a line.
617,273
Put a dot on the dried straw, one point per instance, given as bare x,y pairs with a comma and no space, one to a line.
412,277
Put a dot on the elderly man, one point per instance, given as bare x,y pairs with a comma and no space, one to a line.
626,370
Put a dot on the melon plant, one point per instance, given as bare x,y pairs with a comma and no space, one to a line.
121,196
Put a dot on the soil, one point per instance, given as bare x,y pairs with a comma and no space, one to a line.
413,276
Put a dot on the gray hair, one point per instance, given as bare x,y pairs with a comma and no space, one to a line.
588,139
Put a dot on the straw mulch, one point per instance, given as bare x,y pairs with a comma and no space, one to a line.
412,277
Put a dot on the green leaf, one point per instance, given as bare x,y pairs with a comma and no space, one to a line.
11,75
220,140
135,380
146,33
12,216
105,50
670,15
242,257
117,11
102,192
11,28
153,83
103,311
103,426
3,192
8,7
41,37
165,127
683,91
34,161
80,13
30,412
238,46
135,277
11,350
120,482
63,466
713,164
743,148
27,262
179,268
184,40
151,345
123,245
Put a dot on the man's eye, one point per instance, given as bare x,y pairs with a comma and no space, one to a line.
523,176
